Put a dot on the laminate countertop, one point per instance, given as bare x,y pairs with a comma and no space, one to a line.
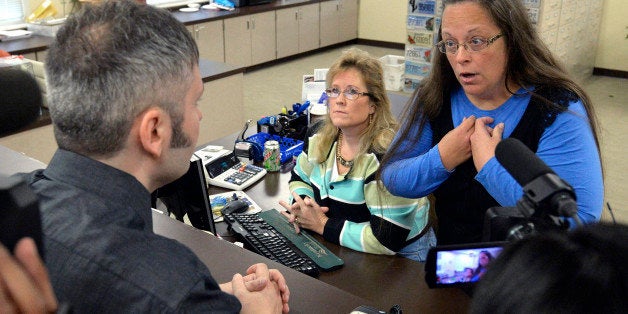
37,43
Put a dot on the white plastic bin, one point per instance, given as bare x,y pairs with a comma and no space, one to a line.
394,67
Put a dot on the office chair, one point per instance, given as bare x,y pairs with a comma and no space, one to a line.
20,100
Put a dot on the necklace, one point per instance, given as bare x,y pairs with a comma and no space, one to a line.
342,161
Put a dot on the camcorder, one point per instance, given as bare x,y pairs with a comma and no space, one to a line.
19,213
547,200
459,265
291,123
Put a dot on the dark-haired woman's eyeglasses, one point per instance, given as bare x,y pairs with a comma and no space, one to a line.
473,44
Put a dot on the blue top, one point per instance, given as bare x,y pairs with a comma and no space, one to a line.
101,251
567,146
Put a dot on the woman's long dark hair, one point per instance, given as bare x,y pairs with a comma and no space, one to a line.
481,267
530,63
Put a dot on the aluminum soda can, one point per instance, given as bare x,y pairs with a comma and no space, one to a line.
272,156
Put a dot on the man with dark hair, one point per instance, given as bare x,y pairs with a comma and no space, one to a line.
124,82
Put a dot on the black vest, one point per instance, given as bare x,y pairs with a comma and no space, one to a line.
461,201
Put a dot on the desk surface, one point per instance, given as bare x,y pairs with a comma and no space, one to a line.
13,162
380,279
307,295
223,258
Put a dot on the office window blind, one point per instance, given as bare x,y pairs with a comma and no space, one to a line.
11,11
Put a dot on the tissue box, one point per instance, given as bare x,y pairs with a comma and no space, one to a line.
394,67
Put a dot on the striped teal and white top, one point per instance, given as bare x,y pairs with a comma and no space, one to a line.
362,215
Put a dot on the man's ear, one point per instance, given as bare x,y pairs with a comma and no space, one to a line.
154,131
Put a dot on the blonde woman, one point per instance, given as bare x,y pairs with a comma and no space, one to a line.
333,185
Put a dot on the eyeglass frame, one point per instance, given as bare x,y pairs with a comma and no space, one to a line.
344,92
489,41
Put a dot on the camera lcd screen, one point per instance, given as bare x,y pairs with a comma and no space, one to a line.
460,265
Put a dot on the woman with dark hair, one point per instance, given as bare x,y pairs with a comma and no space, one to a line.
484,259
494,78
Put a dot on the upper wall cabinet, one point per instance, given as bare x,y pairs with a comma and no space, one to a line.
209,37
297,30
348,28
250,39
339,21
570,30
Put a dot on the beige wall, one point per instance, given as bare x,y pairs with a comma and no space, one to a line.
58,4
383,20
612,48
386,21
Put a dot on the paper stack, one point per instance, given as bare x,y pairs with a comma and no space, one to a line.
14,34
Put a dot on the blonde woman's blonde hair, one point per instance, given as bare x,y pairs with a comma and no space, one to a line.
380,132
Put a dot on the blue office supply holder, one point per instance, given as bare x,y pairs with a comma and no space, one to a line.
288,147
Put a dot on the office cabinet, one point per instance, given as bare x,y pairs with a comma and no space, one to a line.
297,30
210,40
339,21
30,55
41,55
348,28
330,21
222,106
250,39
570,30
38,56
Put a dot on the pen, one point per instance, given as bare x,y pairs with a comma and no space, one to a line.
610,210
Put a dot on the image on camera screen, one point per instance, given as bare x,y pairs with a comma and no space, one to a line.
464,265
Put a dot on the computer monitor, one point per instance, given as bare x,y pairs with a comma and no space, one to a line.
188,196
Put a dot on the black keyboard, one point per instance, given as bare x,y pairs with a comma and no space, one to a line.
264,239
